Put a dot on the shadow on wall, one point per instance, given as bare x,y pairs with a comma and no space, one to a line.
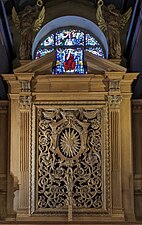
4,68
137,87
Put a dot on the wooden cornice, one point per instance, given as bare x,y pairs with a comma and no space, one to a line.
39,65
95,62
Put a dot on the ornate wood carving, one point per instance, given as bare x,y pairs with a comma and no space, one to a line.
71,155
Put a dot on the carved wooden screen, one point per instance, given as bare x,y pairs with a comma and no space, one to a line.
70,159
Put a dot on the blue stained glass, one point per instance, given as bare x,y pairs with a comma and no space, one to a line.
49,41
96,51
69,38
91,40
69,61
41,52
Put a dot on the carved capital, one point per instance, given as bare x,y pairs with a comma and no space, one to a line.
114,101
25,101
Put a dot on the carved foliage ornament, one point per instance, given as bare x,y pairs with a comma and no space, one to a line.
69,159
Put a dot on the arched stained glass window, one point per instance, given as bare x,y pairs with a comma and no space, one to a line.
69,45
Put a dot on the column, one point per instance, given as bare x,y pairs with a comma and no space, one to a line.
114,99
127,158
25,115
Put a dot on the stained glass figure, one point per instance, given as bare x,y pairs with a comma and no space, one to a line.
69,61
69,38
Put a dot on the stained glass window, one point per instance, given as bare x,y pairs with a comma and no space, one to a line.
42,51
69,45
96,51
49,41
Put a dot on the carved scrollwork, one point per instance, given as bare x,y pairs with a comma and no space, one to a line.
69,159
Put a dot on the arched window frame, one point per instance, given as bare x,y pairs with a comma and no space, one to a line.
66,21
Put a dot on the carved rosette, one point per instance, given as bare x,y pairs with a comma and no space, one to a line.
69,159
25,101
114,101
